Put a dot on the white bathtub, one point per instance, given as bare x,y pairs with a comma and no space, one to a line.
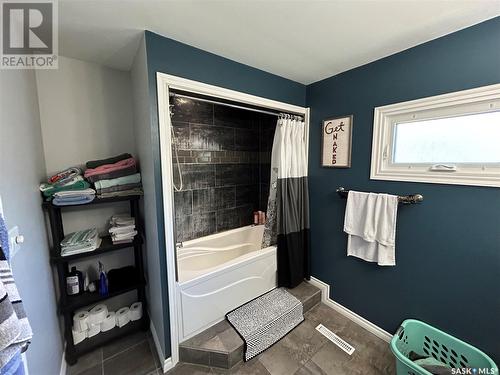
220,272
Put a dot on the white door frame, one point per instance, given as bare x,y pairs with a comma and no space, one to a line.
165,82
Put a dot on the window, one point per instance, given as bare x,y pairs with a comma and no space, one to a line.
452,138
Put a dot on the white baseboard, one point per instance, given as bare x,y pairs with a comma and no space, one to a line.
64,364
369,326
167,363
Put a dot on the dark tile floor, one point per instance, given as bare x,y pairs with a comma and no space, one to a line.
305,351
133,355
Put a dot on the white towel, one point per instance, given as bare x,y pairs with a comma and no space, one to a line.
370,222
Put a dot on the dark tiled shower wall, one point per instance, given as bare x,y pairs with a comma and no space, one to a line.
224,155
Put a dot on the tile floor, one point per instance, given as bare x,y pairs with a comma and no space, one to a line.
133,355
221,346
303,351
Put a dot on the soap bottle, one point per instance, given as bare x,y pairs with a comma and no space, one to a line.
74,282
255,218
103,281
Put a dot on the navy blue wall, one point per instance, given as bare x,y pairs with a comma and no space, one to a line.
169,56
448,247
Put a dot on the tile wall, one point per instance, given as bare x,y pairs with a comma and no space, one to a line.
224,156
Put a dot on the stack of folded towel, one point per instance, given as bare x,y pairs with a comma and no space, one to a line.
116,176
68,188
80,242
122,228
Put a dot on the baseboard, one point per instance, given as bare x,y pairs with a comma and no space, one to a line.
167,363
64,364
369,326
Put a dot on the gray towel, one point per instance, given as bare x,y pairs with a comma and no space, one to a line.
119,188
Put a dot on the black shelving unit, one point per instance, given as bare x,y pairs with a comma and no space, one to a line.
67,305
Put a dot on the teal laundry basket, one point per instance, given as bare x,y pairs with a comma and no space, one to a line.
417,336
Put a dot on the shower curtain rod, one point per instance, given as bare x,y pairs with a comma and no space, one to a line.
173,94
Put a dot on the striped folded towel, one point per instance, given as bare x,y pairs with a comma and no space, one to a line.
80,242
15,329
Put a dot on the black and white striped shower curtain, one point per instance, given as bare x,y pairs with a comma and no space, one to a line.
287,224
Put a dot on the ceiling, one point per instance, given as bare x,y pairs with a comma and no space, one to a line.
305,41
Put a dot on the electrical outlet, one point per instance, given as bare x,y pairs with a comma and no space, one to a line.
14,241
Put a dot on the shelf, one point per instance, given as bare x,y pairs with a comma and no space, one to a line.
106,247
67,305
127,198
104,338
85,299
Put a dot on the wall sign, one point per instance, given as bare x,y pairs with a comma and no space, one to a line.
336,146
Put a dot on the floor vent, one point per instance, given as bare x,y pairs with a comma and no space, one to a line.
349,349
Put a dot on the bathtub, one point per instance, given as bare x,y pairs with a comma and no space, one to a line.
220,272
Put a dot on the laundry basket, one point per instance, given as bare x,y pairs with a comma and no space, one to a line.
417,336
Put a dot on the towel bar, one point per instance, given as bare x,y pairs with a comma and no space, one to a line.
405,199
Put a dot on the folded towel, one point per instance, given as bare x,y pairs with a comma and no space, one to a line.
370,222
15,328
122,229
79,237
131,179
66,182
119,188
65,175
81,249
107,168
121,193
76,183
74,193
118,236
111,175
73,201
97,163
80,242
122,220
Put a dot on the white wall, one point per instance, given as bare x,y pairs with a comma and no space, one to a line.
21,169
86,114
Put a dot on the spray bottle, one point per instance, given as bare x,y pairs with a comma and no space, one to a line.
103,281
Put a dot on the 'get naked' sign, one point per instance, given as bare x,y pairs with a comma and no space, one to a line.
336,148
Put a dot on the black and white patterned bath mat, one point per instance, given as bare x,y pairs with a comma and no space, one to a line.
266,319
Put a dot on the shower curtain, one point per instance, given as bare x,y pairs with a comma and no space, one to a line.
287,224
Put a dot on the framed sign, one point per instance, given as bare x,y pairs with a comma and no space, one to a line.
336,142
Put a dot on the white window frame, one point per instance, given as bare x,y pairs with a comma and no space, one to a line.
478,100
